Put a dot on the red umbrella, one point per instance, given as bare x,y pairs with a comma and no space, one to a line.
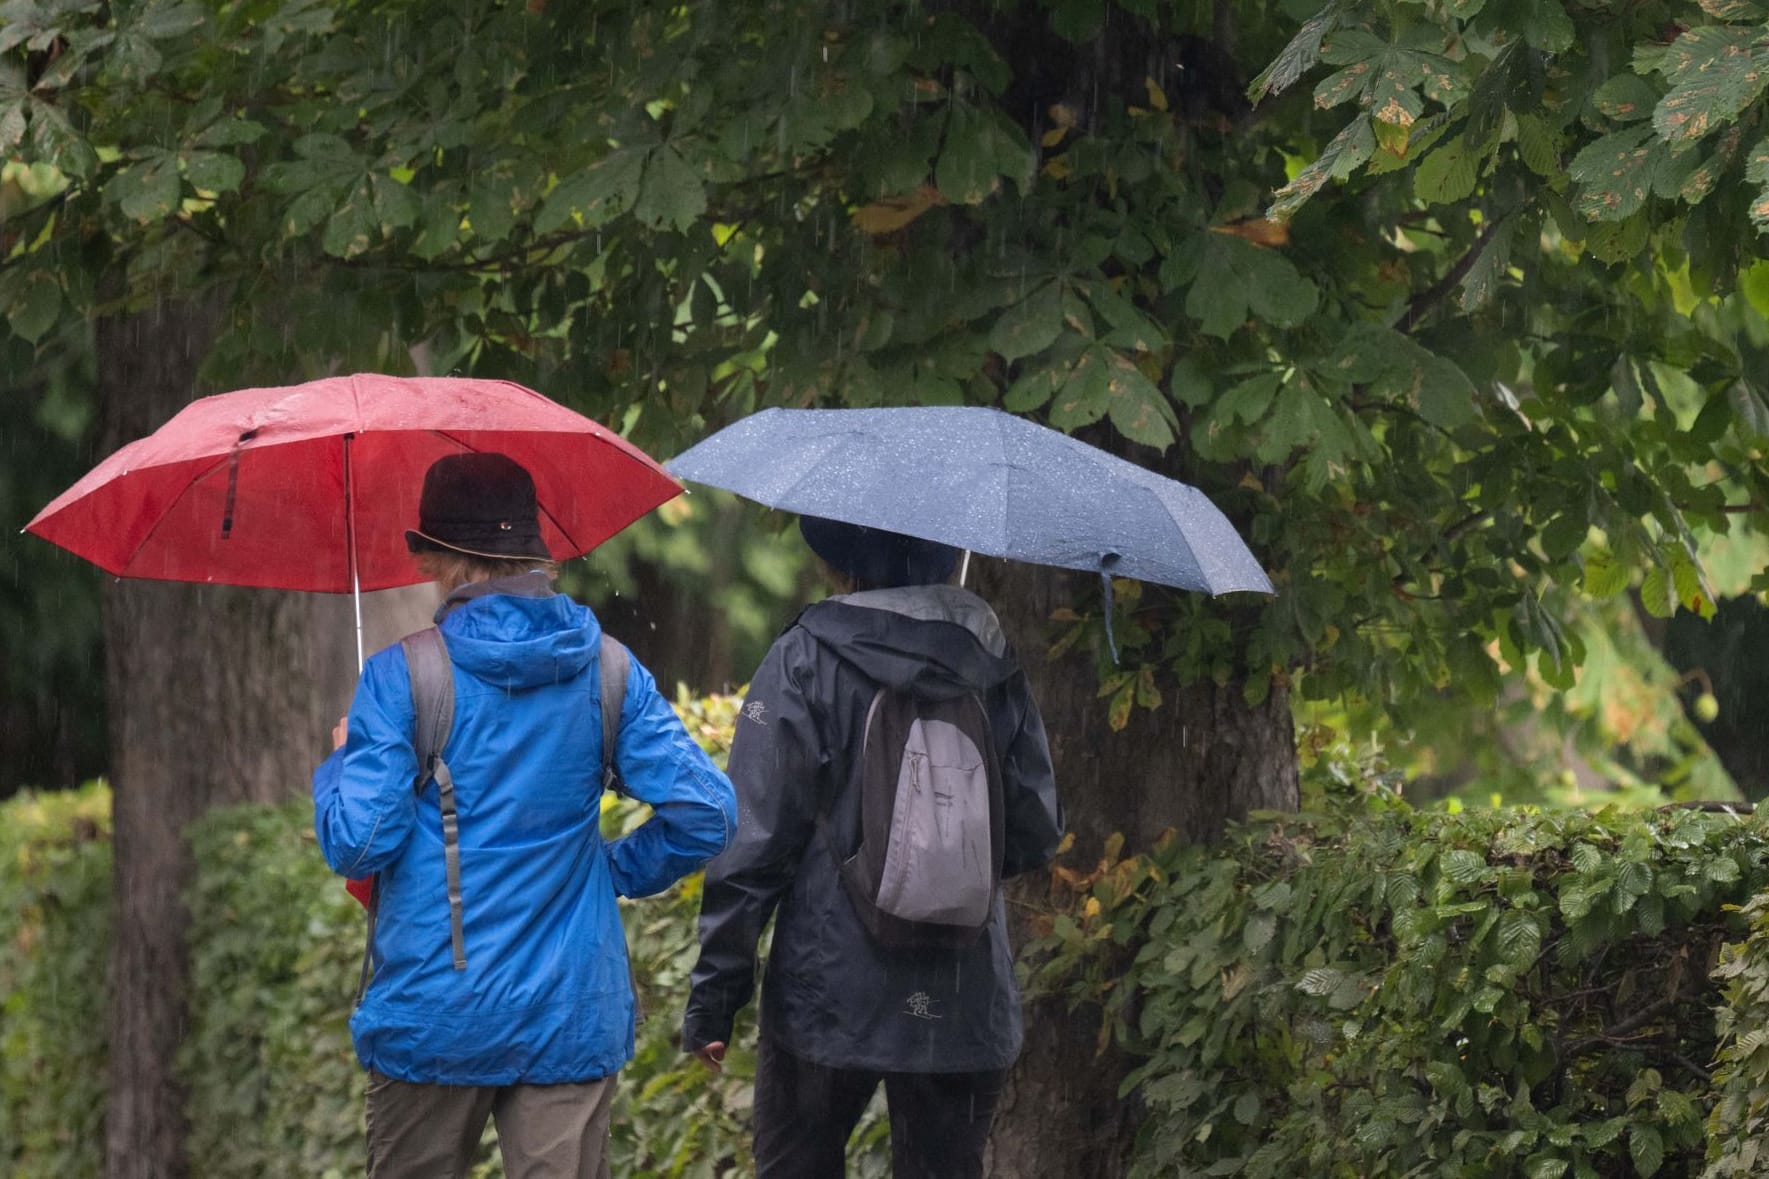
311,487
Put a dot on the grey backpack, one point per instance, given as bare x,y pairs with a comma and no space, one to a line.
931,827
433,704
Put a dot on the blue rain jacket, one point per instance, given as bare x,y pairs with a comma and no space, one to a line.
546,996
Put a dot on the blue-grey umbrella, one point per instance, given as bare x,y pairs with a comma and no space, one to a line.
983,480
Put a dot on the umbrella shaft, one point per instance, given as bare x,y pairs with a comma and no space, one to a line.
350,546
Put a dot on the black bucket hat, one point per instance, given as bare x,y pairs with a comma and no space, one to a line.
479,504
875,557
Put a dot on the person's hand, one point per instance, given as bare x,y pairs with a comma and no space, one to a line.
340,731
712,1055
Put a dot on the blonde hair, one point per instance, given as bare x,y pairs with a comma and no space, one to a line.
451,570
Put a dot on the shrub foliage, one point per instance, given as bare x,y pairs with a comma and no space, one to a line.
1397,992
55,892
1366,991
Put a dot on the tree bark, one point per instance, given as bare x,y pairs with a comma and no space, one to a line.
215,696
1205,757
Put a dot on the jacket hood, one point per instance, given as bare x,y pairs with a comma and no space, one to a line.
515,637
937,640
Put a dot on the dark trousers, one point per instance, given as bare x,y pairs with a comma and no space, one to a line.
805,1112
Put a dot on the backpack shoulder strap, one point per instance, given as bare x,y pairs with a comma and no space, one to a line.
433,695
615,662
433,709
433,704
826,798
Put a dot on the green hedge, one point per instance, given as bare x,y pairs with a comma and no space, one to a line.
1738,1127
1379,992
55,892
274,1087
1391,992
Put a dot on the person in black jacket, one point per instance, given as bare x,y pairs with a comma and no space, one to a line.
839,1011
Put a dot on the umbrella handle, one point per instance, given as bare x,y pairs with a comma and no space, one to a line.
1106,561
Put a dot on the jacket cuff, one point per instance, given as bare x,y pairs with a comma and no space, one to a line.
700,1029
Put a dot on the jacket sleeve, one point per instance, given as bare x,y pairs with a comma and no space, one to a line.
364,808
1033,818
776,761
694,807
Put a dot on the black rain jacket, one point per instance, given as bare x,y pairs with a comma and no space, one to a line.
832,995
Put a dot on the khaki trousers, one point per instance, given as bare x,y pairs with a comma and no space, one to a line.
421,1131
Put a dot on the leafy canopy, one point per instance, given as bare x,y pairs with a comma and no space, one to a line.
1454,306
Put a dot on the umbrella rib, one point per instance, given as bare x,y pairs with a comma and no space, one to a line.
166,514
1001,439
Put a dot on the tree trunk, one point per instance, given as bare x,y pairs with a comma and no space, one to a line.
215,696
1203,758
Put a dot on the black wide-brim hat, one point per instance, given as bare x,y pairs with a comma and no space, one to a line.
479,504
876,557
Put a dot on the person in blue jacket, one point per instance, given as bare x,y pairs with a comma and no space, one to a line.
532,1031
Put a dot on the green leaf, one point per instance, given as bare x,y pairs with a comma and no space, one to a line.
1448,175
968,170
1716,72
149,189
1034,389
594,196
308,210
671,195
1750,412
1491,269
1564,535
1655,593
1137,407
231,132
1029,326
1130,328
1616,172
164,21
439,226
1626,98
1237,279
1747,10
396,205
1321,981
1248,401
1256,934
1298,418
1396,368
1538,146
32,300
353,226
1647,1149
1086,391
214,172
1297,57
12,122
1342,156
491,209
1547,26
1519,937
1462,867
1604,575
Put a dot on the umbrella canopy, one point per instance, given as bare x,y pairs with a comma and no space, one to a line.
311,487
979,479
